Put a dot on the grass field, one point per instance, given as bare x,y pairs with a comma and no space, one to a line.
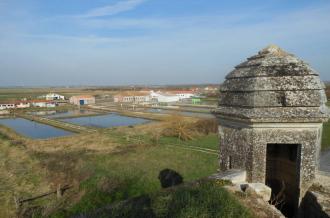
326,136
105,167
210,142
108,167
202,199
20,175
131,172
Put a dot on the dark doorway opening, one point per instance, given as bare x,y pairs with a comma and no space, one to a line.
282,175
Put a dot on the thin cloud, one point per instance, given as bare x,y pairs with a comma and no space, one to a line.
166,50
88,39
118,7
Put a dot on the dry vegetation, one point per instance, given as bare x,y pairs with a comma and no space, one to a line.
20,174
104,167
178,126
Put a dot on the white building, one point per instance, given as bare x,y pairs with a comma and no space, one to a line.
13,105
132,97
41,103
4,106
183,94
164,98
54,96
22,104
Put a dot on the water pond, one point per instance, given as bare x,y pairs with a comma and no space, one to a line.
62,114
105,121
33,129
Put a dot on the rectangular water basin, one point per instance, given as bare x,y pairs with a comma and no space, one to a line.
33,129
105,121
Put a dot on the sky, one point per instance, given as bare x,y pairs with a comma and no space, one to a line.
152,42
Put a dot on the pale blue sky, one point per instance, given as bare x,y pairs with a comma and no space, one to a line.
120,42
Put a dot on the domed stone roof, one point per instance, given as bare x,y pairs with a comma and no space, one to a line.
273,86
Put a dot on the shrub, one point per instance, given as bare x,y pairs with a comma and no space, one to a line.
206,126
177,126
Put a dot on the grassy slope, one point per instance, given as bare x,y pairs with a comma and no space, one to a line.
203,199
132,171
326,134
108,167
210,142
20,175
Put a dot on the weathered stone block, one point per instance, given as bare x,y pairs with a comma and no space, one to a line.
272,83
300,98
234,176
260,189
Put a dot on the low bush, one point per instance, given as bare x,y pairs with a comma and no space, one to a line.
185,130
177,126
206,126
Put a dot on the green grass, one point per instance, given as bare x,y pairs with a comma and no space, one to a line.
20,176
210,141
326,136
130,172
3,137
204,199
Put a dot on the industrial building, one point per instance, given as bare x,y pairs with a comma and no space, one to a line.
132,97
82,100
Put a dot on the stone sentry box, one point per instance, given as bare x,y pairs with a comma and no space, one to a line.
270,113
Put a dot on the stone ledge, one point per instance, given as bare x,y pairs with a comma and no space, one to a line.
234,176
261,190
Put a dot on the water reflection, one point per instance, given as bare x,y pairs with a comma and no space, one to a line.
33,129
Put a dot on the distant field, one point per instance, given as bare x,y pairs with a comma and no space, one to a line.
32,93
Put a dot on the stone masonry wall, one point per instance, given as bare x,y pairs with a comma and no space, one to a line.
246,148
308,138
235,146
